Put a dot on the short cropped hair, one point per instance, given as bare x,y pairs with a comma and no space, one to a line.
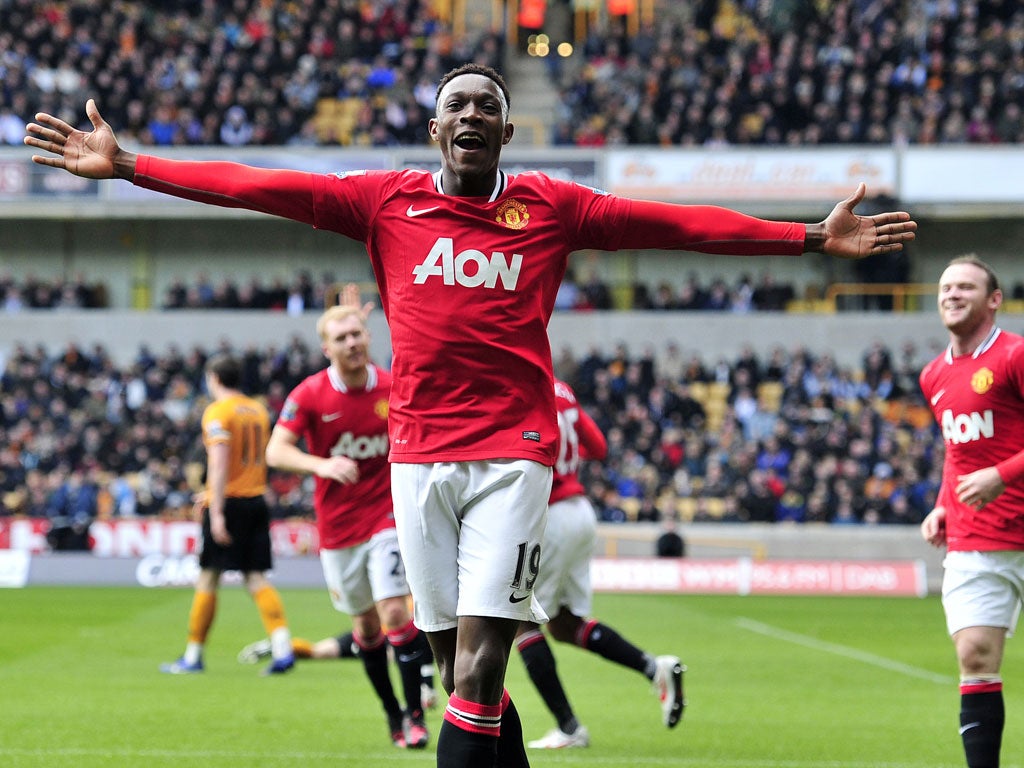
474,69
990,274
337,312
227,369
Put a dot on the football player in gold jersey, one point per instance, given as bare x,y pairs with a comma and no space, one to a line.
236,519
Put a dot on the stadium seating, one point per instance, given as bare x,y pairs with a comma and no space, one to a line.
723,73
131,437
702,74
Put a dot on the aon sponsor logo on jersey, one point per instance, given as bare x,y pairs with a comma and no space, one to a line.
469,268
966,427
361,446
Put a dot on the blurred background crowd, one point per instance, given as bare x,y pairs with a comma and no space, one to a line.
303,291
712,72
780,435
804,73
776,435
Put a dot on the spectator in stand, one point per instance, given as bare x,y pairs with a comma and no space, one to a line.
12,125
71,508
670,543
757,502
770,296
569,295
596,294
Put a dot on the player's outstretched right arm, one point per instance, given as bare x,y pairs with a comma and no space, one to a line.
96,154
92,155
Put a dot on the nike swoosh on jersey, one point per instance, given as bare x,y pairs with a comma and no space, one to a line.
331,416
413,212
937,395
514,598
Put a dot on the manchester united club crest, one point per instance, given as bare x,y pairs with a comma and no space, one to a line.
381,409
981,381
512,214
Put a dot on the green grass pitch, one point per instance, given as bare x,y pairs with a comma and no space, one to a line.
773,682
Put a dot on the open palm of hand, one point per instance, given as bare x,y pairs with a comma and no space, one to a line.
91,155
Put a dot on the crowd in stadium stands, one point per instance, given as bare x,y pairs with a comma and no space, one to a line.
802,72
36,293
248,72
303,292
715,72
746,295
299,294
789,436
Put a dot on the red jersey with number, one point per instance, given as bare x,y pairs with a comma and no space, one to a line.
579,437
978,402
336,420
468,284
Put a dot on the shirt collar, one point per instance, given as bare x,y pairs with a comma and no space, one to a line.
499,185
339,385
982,348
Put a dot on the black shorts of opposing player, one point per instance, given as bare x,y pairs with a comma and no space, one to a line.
248,522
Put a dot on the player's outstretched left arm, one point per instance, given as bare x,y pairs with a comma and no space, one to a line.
851,236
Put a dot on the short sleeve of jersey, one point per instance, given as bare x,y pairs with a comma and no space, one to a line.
294,414
216,426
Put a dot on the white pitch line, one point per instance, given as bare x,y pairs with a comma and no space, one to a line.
844,651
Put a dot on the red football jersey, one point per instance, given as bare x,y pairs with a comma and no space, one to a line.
337,421
579,438
978,402
468,284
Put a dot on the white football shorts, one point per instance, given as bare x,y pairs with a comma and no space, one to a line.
471,533
982,589
569,540
359,577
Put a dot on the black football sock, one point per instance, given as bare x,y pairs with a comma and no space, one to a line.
347,648
427,668
981,723
410,647
541,667
469,735
375,661
511,750
604,641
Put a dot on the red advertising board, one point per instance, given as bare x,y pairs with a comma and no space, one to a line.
139,537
